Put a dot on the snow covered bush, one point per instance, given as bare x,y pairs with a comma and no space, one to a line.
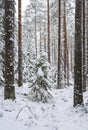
41,84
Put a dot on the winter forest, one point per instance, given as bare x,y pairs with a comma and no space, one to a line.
44,65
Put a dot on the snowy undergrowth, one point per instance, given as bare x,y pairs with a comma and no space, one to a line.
59,114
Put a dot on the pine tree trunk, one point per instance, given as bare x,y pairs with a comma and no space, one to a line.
59,43
9,91
87,37
71,53
68,65
35,31
54,49
48,16
20,80
45,37
78,95
84,68
66,60
40,40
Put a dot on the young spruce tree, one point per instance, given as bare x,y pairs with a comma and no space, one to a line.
41,84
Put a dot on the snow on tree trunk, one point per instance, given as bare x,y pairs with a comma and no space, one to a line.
20,80
9,49
78,96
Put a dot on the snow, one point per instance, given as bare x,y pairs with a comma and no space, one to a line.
59,114
40,72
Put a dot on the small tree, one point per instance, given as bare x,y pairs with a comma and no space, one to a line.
41,84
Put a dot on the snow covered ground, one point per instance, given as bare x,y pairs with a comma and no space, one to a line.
59,114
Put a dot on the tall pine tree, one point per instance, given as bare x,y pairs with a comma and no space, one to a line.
59,43
20,80
48,19
9,49
78,96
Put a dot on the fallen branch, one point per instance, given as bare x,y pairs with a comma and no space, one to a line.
28,109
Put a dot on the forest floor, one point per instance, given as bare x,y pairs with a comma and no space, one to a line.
59,114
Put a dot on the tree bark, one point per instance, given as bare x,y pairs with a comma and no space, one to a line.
9,91
87,39
35,31
59,43
40,40
20,80
84,68
78,95
66,51
45,36
48,16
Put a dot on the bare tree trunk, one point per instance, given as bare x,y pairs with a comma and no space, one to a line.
87,42
59,43
35,31
68,65
45,37
20,80
9,91
65,42
87,34
78,95
40,40
84,68
71,55
54,49
48,16
66,49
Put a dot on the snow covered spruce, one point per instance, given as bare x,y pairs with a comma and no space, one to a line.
41,82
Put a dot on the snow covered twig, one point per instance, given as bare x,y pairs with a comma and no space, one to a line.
28,109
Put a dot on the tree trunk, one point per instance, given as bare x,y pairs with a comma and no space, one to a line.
68,65
78,96
59,43
84,68
66,59
35,31
20,80
87,38
40,40
45,37
71,53
54,49
48,16
9,91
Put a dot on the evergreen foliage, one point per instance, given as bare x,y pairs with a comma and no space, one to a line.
41,84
